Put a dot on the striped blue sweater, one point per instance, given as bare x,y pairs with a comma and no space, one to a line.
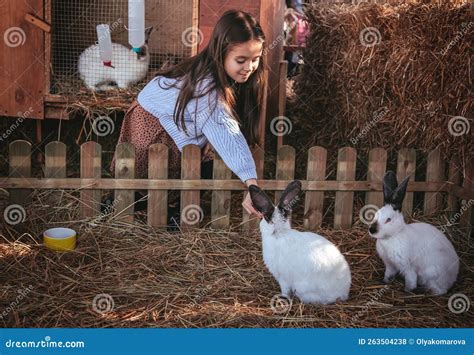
207,120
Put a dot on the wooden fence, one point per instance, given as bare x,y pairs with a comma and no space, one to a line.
90,182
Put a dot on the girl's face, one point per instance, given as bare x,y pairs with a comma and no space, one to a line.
242,60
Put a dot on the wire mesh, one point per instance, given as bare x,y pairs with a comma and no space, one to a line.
74,42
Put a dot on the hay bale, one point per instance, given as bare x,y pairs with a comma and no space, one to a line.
387,76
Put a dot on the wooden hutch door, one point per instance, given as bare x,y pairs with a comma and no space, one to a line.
22,60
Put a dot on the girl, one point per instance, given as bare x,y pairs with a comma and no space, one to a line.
212,98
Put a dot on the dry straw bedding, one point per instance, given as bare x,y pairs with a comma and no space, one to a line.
203,278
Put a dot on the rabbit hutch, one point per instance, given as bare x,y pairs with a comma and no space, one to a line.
56,39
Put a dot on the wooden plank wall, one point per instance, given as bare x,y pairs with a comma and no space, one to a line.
22,62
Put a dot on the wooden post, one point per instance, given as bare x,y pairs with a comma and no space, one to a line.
314,200
346,164
377,167
125,169
55,167
406,165
158,199
285,167
467,217
220,207
20,166
434,172
91,167
454,177
251,225
191,211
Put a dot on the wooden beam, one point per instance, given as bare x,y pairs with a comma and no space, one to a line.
178,184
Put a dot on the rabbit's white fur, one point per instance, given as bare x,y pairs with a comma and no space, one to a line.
304,264
128,67
419,251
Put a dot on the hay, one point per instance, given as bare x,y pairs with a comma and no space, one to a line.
204,278
401,92
86,101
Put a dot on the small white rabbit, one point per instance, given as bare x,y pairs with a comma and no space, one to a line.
128,67
304,264
419,251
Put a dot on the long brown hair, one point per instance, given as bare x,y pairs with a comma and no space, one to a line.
242,100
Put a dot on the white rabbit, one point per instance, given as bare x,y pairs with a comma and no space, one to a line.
304,264
128,67
419,251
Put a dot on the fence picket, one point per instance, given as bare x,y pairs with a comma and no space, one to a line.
55,167
314,200
125,169
375,173
158,199
467,216
285,166
220,206
191,212
19,152
434,172
249,225
346,165
91,162
454,177
406,165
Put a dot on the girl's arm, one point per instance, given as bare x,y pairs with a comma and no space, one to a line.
224,134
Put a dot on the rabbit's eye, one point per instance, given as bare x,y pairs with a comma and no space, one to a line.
388,220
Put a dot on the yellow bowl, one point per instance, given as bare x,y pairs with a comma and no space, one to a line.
60,239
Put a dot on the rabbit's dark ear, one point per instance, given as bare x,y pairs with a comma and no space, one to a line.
399,194
289,197
389,186
261,202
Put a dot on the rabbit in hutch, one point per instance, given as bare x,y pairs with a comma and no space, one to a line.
304,263
128,67
418,251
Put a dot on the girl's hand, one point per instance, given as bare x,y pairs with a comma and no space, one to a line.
247,204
